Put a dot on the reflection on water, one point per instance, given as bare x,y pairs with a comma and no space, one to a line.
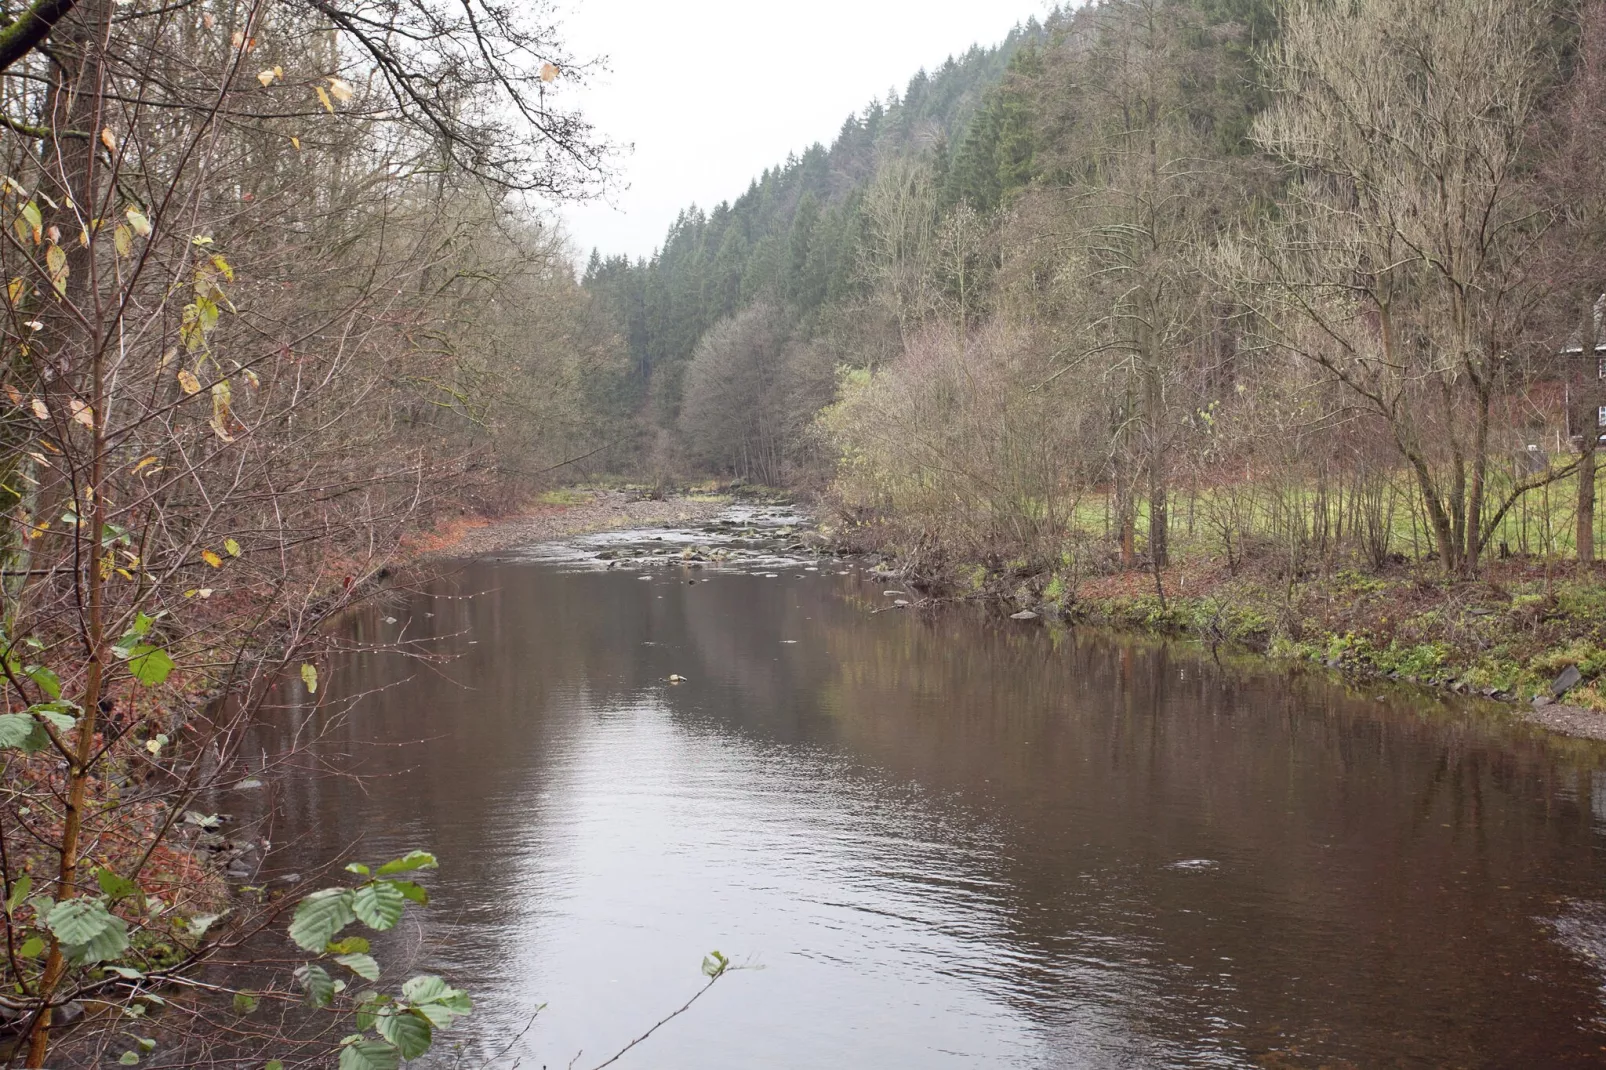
949,842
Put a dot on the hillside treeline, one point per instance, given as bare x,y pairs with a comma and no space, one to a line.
1279,279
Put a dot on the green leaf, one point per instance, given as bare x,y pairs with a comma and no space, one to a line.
409,1031
115,887
19,892
127,973
22,732
357,868
370,1055
368,1006
146,1044
31,948
409,862
715,964
90,932
273,1064
63,716
350,945
246,1002
412,891
317,984
150,665
320,916
309,676
46,678
128,1058
364,966
436,1000
379,905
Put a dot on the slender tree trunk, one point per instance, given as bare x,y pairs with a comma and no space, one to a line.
1159,519
1586,494
78,104
1473,530
1588,398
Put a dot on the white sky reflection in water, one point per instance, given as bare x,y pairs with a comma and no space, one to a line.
855,902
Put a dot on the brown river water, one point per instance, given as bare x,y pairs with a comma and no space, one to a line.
943,840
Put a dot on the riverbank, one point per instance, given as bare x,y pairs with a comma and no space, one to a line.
1522,633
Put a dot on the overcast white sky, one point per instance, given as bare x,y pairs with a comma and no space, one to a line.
711,92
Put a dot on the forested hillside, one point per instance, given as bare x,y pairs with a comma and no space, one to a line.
794,237
1150,243
1175,289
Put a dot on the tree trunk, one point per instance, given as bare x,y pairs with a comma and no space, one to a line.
76,104
1159,530
1588,398
1473,529
1586,493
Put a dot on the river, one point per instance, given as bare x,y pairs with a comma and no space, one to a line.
939,839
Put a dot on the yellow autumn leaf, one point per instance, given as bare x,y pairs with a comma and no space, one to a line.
14,394
127,575
266,78
108,139
309,676
137,220
237,39
323,98
82,413
107,565
250,377
231,547
341,89
39,409
56,264
145,462
549,72
221,396
188,381
295,143
123,239
16,290
211,558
